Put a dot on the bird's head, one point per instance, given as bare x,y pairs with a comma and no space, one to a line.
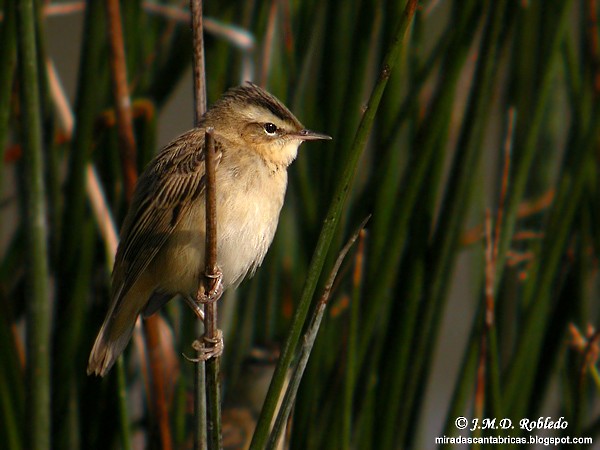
252,118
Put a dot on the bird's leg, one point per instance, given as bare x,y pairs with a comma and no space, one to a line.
216,289
208,347
195,306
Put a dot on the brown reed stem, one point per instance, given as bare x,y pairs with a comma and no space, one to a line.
207,408
118,68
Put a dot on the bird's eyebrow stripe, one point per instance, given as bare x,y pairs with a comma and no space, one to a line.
275,109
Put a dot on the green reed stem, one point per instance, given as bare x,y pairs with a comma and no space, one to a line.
37,430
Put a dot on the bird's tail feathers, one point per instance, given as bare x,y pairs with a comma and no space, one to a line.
107,349
117,329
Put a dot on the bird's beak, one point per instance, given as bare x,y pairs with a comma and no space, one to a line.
308,135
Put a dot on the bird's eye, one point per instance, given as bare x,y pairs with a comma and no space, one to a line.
270,128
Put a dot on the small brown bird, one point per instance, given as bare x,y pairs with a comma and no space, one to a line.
161,252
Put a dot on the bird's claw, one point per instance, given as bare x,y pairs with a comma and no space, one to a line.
207,348
216,289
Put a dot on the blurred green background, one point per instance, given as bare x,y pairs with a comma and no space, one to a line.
473,291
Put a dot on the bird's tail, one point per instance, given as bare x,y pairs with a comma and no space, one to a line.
107,348
116,331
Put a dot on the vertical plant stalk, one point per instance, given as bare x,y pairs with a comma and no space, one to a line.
11,384
267,51
494,402
8,58
593,39
37,430
488,365
213,400
352,368
124,431
118,66
157,376
207,407
210,323
198,68
198,61
480,389
327,232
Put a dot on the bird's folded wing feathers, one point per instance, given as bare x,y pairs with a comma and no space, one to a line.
163,196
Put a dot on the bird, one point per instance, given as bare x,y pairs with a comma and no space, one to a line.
161,253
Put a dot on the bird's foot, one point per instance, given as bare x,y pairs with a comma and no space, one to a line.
216,288
208,348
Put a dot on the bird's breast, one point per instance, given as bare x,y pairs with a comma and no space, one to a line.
248,207
249,204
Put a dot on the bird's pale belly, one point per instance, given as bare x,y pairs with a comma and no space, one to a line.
245,230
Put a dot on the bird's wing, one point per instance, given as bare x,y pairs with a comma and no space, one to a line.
164,194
